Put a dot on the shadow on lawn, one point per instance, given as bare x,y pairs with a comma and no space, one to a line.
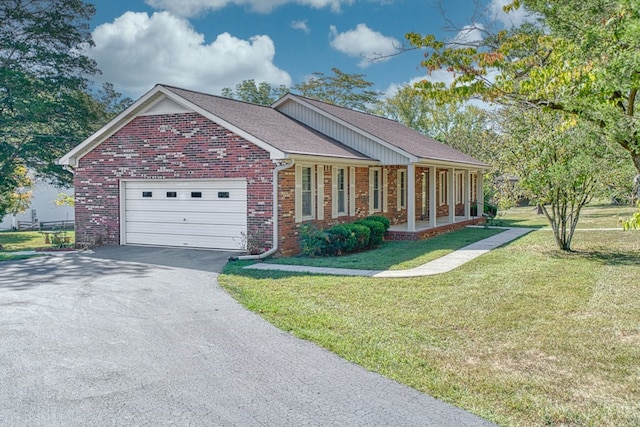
611,258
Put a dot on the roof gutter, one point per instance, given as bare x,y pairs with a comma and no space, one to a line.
274,246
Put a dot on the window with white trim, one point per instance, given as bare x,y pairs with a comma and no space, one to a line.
402,189
460,187
375,189
442,190
425,192
305,192
474,187
340,191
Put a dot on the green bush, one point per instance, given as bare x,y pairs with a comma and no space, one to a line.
361,234
381,219
376,231
313,241
339,240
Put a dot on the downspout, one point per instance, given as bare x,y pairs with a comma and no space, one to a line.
274,246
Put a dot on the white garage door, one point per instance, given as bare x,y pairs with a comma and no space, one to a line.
198,214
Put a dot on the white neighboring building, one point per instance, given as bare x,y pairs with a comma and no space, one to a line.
43,206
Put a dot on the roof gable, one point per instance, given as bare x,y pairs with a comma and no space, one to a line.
261,125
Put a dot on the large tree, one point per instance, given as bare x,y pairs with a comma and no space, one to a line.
257,93
347,90
559,164
581,58
45,105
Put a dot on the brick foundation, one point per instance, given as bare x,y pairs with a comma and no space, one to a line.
431,232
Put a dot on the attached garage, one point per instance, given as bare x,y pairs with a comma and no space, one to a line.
186,213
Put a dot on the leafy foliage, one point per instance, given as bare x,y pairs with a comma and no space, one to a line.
262,93
19,198
343,89
340,239
583,59
632,223
559,164
46,106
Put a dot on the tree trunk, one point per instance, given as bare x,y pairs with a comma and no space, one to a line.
636,161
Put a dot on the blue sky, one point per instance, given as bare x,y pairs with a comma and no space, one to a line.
207,45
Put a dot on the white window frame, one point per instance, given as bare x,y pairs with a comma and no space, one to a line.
373,190
460,187
401,185
474,186
338,194
299,196
442,188
425,192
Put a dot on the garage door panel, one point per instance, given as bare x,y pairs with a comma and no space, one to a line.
216,219
186,205
211,230
192,241
226,218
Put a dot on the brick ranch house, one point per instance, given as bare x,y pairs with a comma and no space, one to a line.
182,168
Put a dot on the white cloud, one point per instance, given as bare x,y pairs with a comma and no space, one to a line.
364,43
301,25
195,7
136,51
514,18
468,36
441,75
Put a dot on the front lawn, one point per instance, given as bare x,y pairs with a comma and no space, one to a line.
524,335
14,241
398,255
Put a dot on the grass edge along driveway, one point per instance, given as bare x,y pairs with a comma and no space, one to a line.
524,335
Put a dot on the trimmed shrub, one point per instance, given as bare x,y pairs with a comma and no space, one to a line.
361,233
381,219
339,240
376,231
313,241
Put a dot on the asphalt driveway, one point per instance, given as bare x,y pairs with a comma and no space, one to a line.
144,336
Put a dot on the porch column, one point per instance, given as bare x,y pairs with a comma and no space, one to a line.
451,196
411,197
467,194
480,193
432,196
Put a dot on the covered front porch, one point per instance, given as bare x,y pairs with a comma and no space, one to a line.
445,197
423,229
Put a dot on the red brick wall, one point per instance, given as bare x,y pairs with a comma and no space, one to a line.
289,232
172,146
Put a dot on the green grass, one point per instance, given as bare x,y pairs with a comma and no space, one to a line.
396,255
526,335
594,215
13,241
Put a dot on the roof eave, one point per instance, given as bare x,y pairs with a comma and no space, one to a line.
452,163
323,158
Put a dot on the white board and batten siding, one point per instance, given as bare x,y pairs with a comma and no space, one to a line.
185,213
344,134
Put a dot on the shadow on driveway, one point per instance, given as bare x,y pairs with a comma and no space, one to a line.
132,261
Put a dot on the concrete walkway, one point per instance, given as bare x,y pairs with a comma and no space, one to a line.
438,266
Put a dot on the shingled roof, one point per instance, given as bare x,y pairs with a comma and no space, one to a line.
270,126
283,135
393,133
